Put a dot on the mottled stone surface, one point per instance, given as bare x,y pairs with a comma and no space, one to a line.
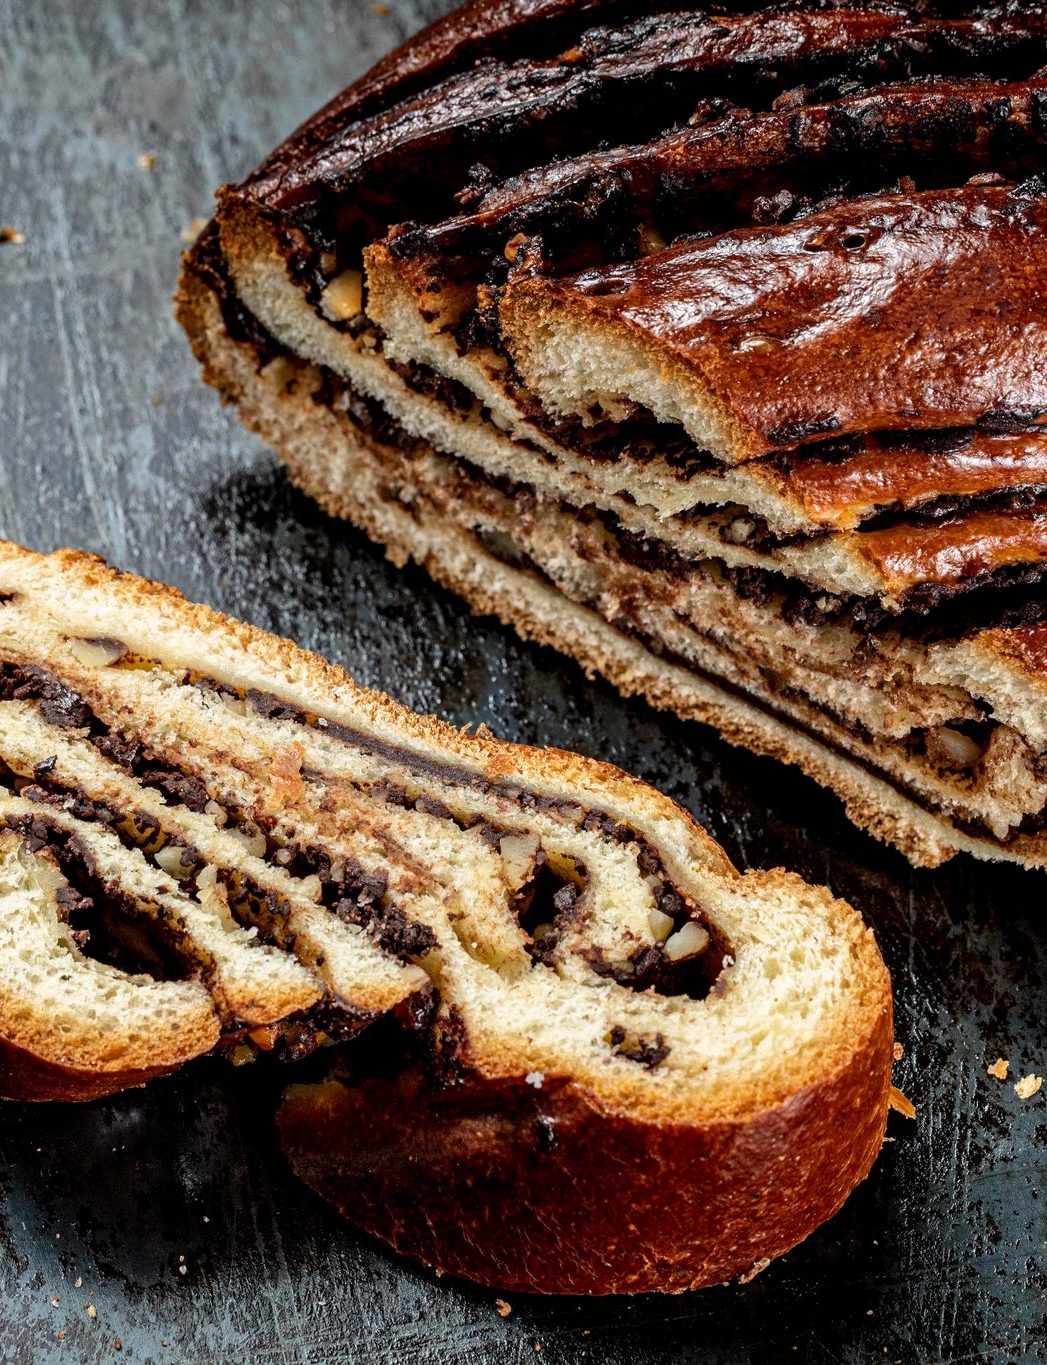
109,442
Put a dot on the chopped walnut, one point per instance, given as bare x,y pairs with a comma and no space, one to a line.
286,770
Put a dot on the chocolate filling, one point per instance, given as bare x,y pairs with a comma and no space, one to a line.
649,1052
361,897
107,922
348,890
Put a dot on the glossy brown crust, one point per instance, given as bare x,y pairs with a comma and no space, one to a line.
963,547
466,34
403,141
907,473
540,1191
26,1077
896,311
743,166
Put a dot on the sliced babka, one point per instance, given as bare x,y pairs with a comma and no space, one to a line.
211,839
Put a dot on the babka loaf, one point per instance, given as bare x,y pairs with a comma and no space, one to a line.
211,839
707,346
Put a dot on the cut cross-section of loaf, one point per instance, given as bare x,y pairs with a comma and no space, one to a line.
211,839
707,347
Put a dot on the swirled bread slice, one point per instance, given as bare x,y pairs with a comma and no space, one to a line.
209,838
707,347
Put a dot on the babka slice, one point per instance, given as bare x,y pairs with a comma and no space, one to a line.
708,347
211,839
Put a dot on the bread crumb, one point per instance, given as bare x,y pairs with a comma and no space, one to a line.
503,1308
54,1300
147,161
756,1268
12,235
999,1069
78,1282
60,1336
1028,1086
901,1104
380,11
92,1311
192,230
118,1344
899,1052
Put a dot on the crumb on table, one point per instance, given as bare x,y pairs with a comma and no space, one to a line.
192,230
1028,1086
901,1104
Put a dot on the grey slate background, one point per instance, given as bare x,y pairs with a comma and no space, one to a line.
109,442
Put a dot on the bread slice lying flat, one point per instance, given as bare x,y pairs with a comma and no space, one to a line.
571,1007
707,347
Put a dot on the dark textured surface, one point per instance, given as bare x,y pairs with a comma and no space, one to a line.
110,443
